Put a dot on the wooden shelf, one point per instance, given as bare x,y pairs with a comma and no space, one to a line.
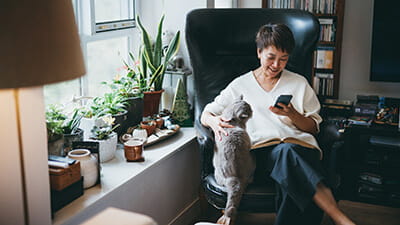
336,44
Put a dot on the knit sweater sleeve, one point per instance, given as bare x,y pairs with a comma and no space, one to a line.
311,105
221,101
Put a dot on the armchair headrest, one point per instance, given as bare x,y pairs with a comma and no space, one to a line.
221,44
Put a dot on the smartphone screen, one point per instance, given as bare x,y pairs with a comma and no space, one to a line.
285,99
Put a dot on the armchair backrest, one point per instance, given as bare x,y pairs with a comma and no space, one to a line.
221,44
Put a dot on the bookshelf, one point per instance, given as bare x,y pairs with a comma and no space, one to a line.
326,67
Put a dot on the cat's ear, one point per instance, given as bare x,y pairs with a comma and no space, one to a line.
239,98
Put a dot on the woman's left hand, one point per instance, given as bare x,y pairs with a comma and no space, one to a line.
286,110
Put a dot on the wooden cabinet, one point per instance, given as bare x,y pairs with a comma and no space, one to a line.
371,165
326,66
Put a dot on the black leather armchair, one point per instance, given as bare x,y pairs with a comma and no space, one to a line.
221,44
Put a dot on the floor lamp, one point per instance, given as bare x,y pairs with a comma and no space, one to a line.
39,44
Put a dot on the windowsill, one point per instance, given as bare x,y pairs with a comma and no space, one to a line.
117,172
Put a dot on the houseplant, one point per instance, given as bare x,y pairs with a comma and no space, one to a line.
103,132
60,124
110,104
152,65
127,87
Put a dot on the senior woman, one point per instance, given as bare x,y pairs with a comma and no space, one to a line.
296,168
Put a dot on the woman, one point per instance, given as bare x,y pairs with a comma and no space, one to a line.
295,168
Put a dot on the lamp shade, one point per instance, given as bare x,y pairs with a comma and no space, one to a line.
39,43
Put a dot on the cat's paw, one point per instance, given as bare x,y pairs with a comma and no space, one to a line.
224,220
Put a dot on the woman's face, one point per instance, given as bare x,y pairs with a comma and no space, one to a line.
272,61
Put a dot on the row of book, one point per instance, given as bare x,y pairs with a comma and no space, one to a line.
323,84
313,6
327,29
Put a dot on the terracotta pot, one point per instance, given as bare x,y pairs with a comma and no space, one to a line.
151,101
149,126
160,122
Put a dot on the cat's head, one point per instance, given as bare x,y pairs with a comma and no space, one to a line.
239,111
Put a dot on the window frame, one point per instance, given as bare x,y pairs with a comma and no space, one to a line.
89,32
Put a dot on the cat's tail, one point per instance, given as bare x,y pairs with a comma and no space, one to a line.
235,189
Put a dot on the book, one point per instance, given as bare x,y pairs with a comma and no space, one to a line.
324,58
275,141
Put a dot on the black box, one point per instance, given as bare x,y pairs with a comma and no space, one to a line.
61,198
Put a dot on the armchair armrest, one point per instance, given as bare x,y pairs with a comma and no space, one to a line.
330,141
205,138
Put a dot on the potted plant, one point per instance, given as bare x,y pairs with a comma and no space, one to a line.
127,87
58,123
103,132
151,66
111,104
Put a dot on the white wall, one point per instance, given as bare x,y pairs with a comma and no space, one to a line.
356,53
249,3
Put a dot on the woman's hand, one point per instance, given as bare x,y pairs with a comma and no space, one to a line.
301,122
286,110
216,123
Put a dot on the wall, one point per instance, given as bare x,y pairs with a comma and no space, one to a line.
167,191
356,53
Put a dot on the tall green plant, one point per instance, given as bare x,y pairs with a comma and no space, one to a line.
153,61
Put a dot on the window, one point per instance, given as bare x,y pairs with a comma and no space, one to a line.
105,28
225,3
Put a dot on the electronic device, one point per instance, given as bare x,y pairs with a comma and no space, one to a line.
385,48
285,99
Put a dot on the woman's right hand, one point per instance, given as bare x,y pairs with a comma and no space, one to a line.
216,123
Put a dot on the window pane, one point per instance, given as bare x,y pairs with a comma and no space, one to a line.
62,93
112,10
223,4
105,58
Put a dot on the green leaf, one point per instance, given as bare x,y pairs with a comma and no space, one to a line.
145,38
173,48
158,44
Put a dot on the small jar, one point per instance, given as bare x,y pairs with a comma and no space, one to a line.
89,166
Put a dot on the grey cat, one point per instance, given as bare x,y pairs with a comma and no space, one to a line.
234,165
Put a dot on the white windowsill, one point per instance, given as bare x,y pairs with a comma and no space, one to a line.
117,171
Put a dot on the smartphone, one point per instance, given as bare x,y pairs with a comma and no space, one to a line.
285,99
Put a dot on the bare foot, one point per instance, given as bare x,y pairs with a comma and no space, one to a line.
224,220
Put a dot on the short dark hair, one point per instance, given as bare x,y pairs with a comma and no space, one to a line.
278,35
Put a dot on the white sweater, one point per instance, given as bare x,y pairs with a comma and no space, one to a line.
264,124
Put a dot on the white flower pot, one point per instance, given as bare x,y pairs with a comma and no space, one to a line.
89,167
108,147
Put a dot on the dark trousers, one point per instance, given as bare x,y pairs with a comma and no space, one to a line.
296,171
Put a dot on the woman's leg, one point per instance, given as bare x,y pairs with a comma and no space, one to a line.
324,199
298,173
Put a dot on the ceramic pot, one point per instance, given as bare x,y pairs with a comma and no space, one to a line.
120,119
108,147
55,145
70,138
89,166
135,112
133,150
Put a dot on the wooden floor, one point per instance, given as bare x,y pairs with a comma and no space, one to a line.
360,213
